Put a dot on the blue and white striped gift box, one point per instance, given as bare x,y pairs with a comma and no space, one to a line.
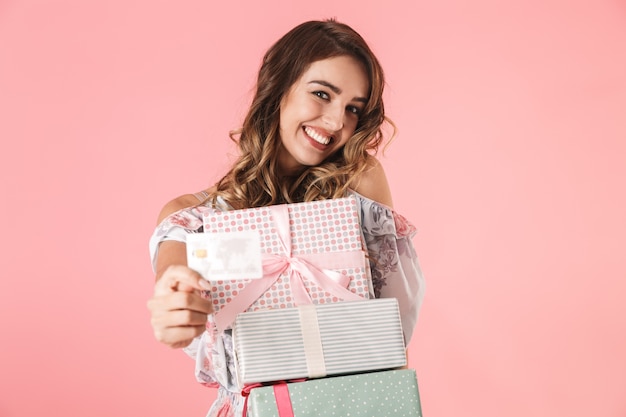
318,340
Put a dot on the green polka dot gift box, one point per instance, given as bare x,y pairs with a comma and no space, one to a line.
375,394
313,341
309,253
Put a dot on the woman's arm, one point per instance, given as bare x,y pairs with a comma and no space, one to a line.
178,312
400,275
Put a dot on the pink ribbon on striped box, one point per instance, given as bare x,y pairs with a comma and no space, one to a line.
315,267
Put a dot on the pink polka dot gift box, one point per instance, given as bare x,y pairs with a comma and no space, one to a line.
310,253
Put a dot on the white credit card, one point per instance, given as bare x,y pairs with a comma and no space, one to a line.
223,256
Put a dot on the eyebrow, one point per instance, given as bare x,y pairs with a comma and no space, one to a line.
336,89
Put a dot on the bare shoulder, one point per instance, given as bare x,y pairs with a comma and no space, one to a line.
373,183
179,203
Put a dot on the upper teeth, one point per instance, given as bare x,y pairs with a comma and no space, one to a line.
316,136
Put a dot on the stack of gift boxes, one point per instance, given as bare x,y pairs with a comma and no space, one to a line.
293,283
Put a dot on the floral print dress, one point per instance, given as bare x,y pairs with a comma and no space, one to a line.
395,273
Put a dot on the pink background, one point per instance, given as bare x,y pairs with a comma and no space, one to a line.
510,159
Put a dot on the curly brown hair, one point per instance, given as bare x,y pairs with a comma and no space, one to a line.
254,181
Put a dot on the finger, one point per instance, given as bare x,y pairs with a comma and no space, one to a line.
179,318
180,301
180,278
177,337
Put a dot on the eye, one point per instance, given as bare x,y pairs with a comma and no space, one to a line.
354,110
322,94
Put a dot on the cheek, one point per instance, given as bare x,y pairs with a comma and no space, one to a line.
349,126
286,121
289,116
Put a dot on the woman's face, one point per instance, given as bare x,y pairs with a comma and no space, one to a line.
320,111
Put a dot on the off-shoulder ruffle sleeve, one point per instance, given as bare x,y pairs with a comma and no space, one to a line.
395,269
175,227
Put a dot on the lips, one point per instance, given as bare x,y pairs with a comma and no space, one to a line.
317,136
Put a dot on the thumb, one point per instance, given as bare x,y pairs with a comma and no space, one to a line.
180,278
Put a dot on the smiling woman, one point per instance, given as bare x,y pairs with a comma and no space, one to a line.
310,134
321,112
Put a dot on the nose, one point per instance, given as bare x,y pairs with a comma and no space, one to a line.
333,118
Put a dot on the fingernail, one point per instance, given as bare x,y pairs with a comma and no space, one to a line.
205,284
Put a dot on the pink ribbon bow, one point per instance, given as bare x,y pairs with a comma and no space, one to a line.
299,267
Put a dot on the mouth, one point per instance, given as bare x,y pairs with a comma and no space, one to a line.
316,136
